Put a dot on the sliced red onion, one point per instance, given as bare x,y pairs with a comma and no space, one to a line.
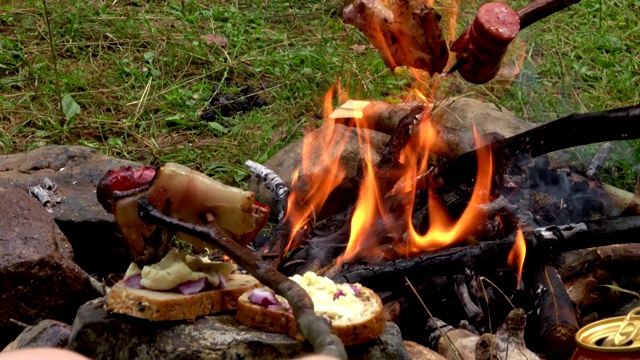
222,280
263,297
355,289
192,287
133,282
337,295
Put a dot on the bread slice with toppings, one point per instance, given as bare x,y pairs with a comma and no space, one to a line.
165,305
355,312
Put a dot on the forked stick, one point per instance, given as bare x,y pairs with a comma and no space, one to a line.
314,328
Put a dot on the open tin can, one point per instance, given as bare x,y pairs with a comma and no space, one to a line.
612,338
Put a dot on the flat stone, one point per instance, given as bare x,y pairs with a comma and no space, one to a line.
76,171
39,278
100,335
45,334
462,113
286,162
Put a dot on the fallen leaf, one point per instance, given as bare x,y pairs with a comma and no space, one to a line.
215,39
358,48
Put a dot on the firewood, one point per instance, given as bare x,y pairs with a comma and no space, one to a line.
585,261
557,314
590,295
569,131
549,240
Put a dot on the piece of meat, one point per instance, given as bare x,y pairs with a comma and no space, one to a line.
182,193
483,44
407,34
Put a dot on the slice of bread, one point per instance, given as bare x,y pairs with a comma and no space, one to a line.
163,305
354,332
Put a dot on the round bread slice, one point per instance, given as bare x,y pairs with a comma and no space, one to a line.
163,305
283,322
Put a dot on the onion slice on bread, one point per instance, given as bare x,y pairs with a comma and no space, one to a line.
164,305
361,319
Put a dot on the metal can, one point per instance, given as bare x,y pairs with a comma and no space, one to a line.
613,338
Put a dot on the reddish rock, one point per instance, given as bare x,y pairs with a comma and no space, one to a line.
76,171
39,278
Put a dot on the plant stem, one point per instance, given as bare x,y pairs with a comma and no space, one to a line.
55,64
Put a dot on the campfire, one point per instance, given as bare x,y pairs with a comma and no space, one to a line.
459,233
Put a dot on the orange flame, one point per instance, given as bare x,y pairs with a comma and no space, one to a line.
316,178
442,230
517,254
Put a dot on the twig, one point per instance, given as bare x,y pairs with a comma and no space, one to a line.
314,328
273,183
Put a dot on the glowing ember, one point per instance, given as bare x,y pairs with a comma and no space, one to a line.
517,254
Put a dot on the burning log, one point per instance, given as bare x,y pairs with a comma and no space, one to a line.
557,316
314,328
407,34
549,240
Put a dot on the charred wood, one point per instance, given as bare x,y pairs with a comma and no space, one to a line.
549,240
557,314
473,312
569,131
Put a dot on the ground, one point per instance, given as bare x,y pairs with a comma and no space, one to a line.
132,78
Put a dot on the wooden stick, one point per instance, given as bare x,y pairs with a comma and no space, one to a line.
540,9
569,131
556,311
314,328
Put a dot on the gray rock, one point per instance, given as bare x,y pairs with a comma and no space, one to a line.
39,278
462,113
287,160
99,335
76,171
47,333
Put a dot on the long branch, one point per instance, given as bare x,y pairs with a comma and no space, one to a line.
312,327
569,131
549,240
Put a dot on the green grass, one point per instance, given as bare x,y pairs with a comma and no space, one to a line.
140,74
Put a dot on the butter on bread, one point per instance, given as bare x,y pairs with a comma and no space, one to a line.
355,316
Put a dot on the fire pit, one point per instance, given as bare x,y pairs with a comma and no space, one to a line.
457,237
